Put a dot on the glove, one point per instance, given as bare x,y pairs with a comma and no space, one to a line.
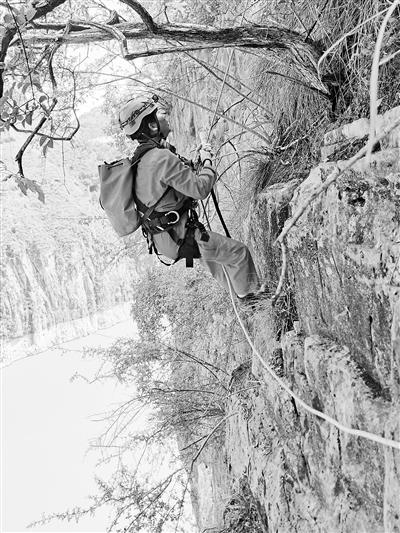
205,153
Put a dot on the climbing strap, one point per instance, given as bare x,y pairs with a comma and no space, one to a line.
189,249
157,221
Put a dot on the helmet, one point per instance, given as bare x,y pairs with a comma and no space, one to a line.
133,112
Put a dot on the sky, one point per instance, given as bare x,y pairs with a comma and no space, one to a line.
47,423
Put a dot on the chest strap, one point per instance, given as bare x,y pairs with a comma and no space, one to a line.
157,221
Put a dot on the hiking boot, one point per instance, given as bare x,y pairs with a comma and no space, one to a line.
252,300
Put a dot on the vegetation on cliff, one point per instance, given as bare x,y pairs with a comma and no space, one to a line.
298,69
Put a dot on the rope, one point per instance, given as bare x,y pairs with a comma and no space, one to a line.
356,432
222,86
213,195
281,383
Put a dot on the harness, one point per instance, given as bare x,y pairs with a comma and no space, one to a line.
154,222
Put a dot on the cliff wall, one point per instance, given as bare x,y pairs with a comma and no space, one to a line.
334,339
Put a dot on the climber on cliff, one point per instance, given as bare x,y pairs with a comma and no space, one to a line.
170,181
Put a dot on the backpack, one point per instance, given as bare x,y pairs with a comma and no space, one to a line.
117,192
116,196
127,213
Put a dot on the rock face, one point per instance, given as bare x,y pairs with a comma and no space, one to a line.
344,254
343,359
64,272
55,277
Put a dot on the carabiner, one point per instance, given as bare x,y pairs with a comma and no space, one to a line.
170,223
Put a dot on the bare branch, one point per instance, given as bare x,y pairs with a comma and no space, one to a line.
111,30
18,157
171,50
143,14
52,53
209,437
262,36
212,72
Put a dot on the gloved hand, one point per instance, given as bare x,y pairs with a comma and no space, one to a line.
204,151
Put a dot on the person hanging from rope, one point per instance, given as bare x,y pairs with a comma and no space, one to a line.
169,183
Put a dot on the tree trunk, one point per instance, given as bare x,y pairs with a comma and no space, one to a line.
274,38
268,37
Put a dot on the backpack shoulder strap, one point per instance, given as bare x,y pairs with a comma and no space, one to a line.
147,211
139,153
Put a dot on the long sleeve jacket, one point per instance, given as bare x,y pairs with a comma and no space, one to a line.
160,168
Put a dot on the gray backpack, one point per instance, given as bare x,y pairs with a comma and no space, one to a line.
117,193
117,180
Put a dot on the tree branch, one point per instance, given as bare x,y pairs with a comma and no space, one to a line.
143,14
267,37
8,32
271,37
172,50
52,137
18,157
111,30
214,429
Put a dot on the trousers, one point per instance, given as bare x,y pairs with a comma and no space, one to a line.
220,251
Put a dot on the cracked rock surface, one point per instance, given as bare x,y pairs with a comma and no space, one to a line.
300,473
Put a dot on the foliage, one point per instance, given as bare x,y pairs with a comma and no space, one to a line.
25,185
176,300
170,364
172,369
136,505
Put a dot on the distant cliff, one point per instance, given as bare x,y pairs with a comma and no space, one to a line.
61,261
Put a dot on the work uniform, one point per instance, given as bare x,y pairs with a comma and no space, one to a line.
160,168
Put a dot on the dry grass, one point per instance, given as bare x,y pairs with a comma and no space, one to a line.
294,150
346,69
301,115
243,513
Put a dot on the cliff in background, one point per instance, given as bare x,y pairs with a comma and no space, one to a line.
334,336
64,271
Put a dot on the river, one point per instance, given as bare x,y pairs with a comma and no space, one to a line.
47,426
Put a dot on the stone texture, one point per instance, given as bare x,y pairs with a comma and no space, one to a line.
343,359
345,263
54,278
264,224
306,474
210,487
340,138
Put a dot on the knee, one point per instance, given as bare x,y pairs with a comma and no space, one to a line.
240,251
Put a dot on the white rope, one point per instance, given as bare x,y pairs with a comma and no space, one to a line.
327,418
356,432
225,77
373,85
